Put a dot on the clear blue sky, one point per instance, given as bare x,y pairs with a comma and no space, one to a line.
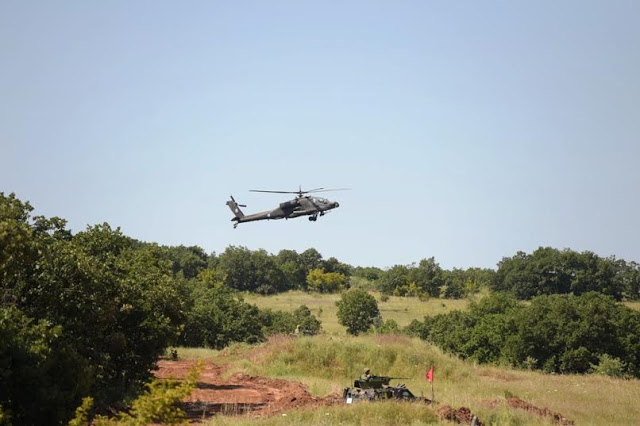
467,130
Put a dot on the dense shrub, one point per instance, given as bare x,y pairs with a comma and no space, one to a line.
219,316
559,333
326,282
301,321
93,311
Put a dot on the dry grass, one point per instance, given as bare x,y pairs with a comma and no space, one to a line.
633,305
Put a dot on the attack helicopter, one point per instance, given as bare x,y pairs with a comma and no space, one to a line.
303,205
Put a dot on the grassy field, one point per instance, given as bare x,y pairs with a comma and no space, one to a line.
327,363
401,309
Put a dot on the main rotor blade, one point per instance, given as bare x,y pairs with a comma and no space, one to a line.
274,192
300,192
327,190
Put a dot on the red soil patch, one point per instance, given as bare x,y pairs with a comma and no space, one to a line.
558,418
461,416
240,394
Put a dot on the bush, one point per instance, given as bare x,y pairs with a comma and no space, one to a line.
357,310
388,327
307,324
220,316
158,405
326,282
608,366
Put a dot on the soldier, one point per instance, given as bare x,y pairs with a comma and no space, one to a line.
367,374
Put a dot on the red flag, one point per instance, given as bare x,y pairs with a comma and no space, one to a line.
430,374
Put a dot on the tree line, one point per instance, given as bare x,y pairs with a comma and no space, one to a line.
545,271
552,271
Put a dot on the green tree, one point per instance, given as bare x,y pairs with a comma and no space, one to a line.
112,301
427,275
357,311
219,317
334,265
371,273
188,260
396,276
251,271
295,272
311,259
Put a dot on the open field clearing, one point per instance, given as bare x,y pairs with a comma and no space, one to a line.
633,305
326,364
401,309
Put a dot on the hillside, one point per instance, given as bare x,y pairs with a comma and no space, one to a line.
326,364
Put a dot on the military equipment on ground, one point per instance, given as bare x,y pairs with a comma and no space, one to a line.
302,205
377,388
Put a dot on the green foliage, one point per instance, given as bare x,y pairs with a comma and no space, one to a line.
421,280
326,282
460,283
551,271
311,259
371,273
301,321
83,413
295,272
393,278
308,324
277,322
157,405
388,327
333,265
559,333
219,316
609,366
410,290
41,375
187,260
255,271
104,305
357,311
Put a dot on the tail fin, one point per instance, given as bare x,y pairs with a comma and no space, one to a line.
235,209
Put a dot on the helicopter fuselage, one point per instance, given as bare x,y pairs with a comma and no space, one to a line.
300,206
